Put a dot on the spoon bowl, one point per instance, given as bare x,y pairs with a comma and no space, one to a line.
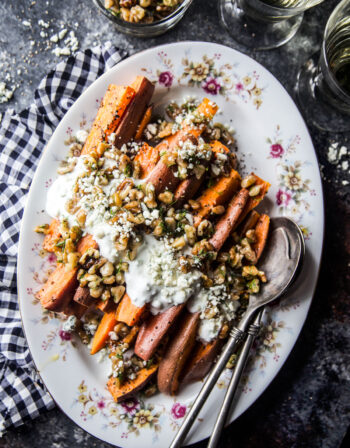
282,257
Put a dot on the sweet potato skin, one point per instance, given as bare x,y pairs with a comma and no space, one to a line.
153,330
75,309
187,189
230,219
130,387
129,123
163,176
82,296
200,360
176,354
249,223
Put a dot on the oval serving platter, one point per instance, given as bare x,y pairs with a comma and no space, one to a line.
272,141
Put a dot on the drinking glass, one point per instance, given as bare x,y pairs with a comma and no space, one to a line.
263,24
323,84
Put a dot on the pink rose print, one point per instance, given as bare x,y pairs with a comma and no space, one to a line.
166,78
276,150
178,410
130,406
212,86
239,86
51,258
283,197
65,335
101,404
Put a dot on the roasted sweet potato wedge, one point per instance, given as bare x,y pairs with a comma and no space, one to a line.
200,360
105,326
132,117
52,236
147,157
261,232
230,219
130,387
109,116
153,330
128,313
177,353
59,289
218,194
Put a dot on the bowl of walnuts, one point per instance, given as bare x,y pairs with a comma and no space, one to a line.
144,18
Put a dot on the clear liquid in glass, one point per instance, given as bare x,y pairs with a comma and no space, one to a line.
338,53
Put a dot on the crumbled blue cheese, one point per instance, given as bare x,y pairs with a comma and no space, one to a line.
90,328
218,299
70,324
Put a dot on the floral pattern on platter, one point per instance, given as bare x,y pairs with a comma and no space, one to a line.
291,197
63,338
132,416
210,74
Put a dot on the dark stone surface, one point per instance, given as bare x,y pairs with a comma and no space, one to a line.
308,404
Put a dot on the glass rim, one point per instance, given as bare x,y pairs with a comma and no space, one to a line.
335,84
138,26
298,9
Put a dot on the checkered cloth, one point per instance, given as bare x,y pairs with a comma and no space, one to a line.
23,137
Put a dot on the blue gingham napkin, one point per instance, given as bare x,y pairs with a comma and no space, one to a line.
23,137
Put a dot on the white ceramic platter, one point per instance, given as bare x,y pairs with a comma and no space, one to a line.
273,141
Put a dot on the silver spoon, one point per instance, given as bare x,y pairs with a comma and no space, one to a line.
243,356
281,259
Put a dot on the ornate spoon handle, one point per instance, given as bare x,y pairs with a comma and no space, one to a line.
235,339
236,376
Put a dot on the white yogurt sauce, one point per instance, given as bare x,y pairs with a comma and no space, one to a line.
61,191
97,215
155,277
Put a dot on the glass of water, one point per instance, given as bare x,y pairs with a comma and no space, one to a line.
263,24
323,85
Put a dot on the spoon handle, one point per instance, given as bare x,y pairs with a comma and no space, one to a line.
234,382
234,340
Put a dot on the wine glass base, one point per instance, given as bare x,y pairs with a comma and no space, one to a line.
314,108
254,34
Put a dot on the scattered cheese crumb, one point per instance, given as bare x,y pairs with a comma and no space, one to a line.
43,24
5,94
71,43
345,165
26,23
